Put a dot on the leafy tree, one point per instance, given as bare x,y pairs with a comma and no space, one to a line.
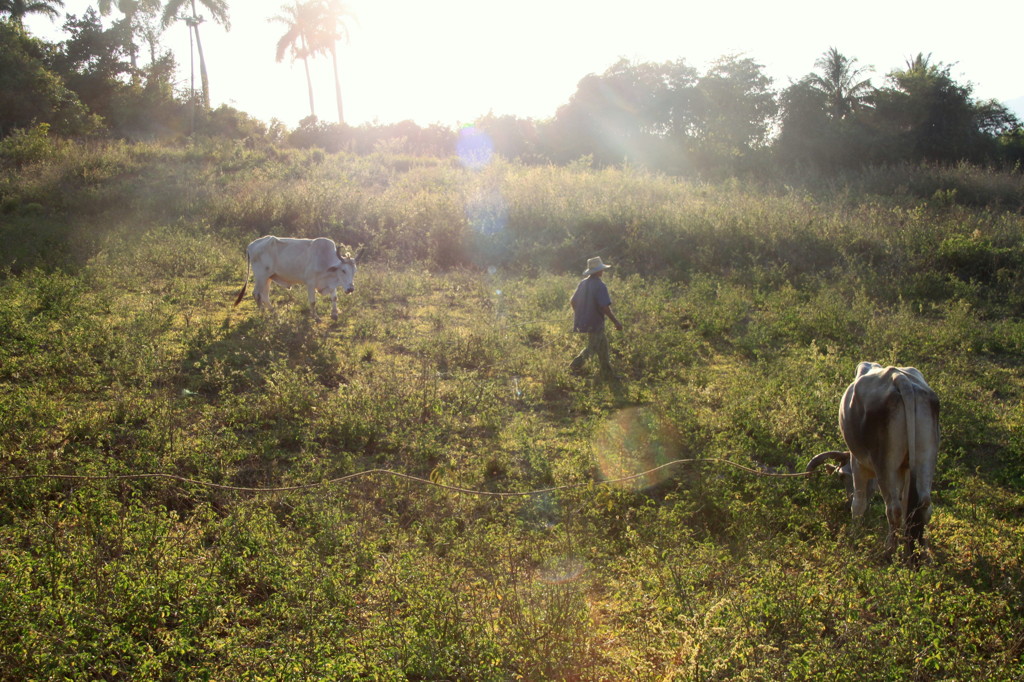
1011,148
17,10
30,91
735,107
841,84
923,114
665,116
675,104
604,115
302,21
94,63
805,131
513,137
626,113
133,11
218,10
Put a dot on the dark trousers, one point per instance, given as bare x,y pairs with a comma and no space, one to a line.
597,344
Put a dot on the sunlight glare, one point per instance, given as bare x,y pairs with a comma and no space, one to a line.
474,148
634,440
560,570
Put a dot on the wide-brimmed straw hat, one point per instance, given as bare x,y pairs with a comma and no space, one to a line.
595,265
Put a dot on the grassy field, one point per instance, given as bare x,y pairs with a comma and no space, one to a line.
746,308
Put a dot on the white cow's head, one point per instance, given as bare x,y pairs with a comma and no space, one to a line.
842,468
342,276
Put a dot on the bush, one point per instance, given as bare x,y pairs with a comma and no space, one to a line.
27,145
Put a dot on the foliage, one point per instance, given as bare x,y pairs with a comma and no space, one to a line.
665,117
139,21
218,10
736,105
929,116
746,310
834,120
30,91
17,10
27,145
840,83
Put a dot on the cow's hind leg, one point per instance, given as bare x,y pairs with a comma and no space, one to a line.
894,492
862,477
919,511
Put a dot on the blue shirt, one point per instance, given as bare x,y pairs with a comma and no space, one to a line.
590,296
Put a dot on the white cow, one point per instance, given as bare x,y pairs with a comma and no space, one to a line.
317,263
889,418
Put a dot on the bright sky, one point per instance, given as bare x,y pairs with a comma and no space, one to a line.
451,61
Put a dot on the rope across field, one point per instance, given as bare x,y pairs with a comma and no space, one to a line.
398,474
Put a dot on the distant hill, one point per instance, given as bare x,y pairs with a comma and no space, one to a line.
1016,106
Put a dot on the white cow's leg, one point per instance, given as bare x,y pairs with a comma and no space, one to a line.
862,478
334,305
895,516
918,513
859,504
261,292
894,493
312,301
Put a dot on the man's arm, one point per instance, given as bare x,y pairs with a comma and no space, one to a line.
606,310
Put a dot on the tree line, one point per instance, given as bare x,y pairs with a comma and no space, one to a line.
664,116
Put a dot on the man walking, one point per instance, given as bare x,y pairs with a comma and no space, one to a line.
591,303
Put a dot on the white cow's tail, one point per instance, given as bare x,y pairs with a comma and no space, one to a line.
248,267
914,524
908,394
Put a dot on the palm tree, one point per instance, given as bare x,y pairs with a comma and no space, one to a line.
332,29
218,10
301,21
921,65
18,9
839,83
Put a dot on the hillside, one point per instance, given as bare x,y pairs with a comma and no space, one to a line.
263,553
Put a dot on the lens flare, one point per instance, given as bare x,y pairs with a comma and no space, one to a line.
635,440
474,148
560,570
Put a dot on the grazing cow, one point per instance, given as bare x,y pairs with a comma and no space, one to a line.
889,418
317,263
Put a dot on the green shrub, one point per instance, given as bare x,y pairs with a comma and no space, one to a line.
27,145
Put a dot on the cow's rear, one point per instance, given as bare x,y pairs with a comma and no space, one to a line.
889,418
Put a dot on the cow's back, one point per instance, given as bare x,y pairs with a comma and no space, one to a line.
258,249
286,259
